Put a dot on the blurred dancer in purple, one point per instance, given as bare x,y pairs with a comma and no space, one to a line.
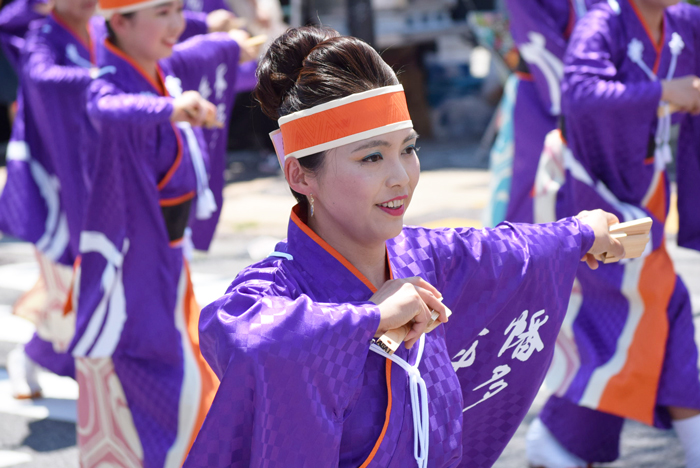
144,387
532,102
220,88
628,350
220,85
48,164
302,383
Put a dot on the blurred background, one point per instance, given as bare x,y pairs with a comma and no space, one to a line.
453,57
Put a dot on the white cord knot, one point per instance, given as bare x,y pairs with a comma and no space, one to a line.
419,401
676,45
635,51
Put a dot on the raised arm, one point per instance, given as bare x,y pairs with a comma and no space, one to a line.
108,104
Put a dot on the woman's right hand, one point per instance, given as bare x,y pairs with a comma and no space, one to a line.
192,108
408,302
682,93
601,221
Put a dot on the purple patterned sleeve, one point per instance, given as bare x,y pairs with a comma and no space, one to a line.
589,87
246,76
262,311
203,54
108,104
195,24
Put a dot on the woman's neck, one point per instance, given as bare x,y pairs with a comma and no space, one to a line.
370,260
653,16
78,26
148,67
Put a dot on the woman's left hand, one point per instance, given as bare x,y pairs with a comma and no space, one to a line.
601,221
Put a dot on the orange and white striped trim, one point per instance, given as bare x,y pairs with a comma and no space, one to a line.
341,122
107,8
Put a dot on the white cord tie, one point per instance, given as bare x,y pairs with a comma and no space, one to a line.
419,401
662,139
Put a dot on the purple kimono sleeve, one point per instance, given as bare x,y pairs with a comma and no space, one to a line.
589,86
532,21
16,16
246,79
195,24
202,53
14,24
289,367
40,67
688,174
107,105
491,265
688,158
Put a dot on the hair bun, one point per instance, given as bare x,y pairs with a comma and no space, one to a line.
280,67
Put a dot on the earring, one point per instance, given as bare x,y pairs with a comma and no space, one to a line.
311,200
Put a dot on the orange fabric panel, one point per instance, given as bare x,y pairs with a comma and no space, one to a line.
210,382
657,203
343,121
632,392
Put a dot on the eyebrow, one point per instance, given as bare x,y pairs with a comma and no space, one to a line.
375,143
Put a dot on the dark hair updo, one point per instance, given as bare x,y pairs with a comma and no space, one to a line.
309,66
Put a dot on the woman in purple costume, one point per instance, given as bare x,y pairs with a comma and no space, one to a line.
302,381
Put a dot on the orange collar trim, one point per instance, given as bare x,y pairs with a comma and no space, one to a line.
88,45
658,47
296,219
158,86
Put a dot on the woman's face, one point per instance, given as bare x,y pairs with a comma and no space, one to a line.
364,188
150,34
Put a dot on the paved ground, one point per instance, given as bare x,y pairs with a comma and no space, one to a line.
452,191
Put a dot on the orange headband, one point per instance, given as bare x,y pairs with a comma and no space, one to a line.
107,8
342,121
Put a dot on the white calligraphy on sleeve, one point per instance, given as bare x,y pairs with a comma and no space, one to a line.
524,337
467,357
496,385
525,340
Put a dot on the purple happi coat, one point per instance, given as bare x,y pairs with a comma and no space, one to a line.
629,349
53,144
205,6
219,85
195,24
136,311
300,386
541,30
14,24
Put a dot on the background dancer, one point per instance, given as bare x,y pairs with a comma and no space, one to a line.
631,346
531,103
49,164
136,339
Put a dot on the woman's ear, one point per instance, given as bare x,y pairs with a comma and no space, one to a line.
299,179
118,23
